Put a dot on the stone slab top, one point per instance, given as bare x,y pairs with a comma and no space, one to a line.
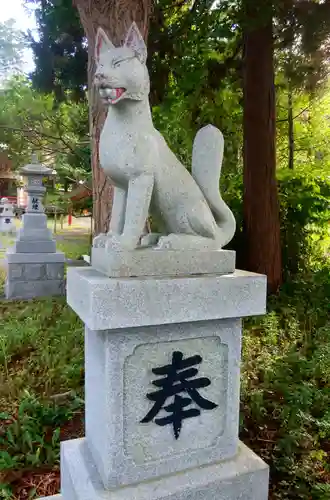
13,257
156,262
110,303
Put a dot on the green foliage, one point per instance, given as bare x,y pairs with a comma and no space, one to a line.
30,121
310,130
60,51
31,436
285,391
305,215
33,354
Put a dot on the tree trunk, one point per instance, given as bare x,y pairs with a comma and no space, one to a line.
261,207
115,17
290,128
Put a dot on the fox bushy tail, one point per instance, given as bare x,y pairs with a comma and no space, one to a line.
206,169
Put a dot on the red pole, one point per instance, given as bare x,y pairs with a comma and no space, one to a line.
70,217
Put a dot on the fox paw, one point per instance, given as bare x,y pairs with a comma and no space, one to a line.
150,239
119,242
100,241
167,242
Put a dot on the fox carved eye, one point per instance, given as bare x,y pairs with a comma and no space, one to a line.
116,64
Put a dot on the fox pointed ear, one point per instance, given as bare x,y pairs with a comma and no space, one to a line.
102,43
134,40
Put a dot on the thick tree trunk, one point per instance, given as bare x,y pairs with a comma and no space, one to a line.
261,207
290,128
115,17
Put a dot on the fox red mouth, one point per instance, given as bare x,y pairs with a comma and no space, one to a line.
110,94
118,93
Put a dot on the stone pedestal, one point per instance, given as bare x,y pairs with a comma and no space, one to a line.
32,275
34,268
162,364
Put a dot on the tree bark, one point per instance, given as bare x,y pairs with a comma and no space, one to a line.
261,207
115,17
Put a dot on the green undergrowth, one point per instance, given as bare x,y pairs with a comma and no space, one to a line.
30,436
41,345
41,383
286,388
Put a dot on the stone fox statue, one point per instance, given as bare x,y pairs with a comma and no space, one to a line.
147,176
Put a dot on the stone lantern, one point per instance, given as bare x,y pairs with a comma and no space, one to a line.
34,236
7,217
34,173
35,268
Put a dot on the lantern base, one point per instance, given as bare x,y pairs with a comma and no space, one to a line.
31,275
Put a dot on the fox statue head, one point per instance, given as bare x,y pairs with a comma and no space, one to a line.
121,72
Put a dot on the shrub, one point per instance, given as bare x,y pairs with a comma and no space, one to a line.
304,217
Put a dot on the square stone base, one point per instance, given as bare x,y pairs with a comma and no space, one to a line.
104,303
243,478
34,275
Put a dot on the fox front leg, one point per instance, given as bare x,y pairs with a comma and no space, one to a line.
118,211
117,218
137,208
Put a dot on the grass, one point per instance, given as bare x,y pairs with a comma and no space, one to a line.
76,248
285,403
41,388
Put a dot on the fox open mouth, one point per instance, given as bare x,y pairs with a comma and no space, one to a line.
112,95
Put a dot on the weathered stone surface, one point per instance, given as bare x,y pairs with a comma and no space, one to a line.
104,303
35,223
54,271
152,262
31,289
33,272
15,271
26,258
118,377
244,477
35,235
32,246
